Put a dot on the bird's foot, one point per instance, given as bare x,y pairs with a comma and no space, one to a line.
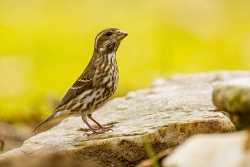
105,128
92,133
100,130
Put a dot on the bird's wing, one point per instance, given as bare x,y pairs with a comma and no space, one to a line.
83,83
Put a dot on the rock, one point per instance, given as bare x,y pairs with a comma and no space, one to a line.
233,96
166,114
217,150
213,78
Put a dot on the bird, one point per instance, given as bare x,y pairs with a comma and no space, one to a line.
96,84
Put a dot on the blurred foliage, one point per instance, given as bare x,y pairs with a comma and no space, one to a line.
45,45
150,151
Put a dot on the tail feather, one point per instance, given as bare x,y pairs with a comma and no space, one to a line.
43,123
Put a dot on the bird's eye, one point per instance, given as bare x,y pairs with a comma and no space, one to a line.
108,34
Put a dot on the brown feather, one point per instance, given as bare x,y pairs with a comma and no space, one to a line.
96,84
84,82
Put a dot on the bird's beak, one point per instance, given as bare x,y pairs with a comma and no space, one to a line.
121,35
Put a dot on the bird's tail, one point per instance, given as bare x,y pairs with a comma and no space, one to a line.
43,123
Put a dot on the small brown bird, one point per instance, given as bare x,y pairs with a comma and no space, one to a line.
96,84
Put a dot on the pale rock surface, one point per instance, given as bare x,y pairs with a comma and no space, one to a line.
166,114
233,96
214,150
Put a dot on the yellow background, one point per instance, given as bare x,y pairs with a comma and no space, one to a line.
46,44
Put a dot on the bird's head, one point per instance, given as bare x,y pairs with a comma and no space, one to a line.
109,40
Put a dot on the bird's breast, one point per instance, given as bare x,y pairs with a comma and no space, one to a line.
105,82
110,77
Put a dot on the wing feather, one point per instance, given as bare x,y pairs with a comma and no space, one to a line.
84,82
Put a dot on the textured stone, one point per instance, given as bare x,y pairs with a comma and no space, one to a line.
217,150
166,115
233,96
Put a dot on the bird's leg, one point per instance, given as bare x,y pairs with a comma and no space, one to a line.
90,127
94,132
103,128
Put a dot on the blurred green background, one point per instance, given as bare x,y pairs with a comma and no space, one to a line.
45,45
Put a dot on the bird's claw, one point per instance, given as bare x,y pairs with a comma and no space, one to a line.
96,132
105,128
101,130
